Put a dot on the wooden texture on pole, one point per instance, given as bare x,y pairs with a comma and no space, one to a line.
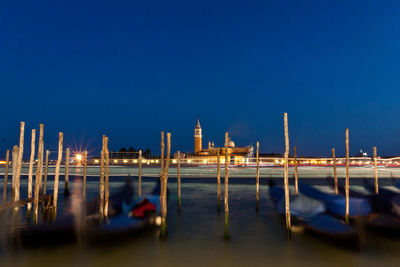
347,175
66,176
286,177
219,179
335,180
296,174
38,174
164,186
57,173
258,176
226,189
376,170
20,155
41,168
30,171
178,177
85,155
107,178
14,169
162,153
140,174
46,172
6,175
101,189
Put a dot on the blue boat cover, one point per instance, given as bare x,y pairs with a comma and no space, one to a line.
336,204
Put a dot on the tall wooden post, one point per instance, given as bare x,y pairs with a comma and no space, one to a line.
107,177
164,186
258,176
46,172
38,173
226,189
178,177
219,179
162,153
140,173
57,173
347,175
335,172
101,207
296,174
20,154
6,175
376,170
66,176
15,153
85,159
286,178
30,172
41,169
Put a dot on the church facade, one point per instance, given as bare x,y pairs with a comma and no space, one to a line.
236,155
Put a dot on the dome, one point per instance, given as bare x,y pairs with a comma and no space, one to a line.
231,143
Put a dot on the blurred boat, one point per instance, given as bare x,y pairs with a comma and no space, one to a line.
336,204
311,215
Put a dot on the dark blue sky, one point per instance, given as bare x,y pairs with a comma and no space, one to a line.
130,69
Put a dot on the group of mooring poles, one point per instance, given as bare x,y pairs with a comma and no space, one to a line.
34,191
347,173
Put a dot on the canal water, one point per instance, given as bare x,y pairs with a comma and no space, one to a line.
195,235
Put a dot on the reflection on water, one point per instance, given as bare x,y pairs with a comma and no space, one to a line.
195,235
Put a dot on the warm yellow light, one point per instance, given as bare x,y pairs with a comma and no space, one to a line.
205,161
189,161
174,161
78,157
125,161
156,161
2,162
115,161
96,161
135,161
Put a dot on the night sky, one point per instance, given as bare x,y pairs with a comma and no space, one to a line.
130,69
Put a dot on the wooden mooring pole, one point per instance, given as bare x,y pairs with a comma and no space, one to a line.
286,177
30,172
41,170
164,186
296,174
347,175
66,176
107,178
376,170
162,153
46,172
6,175
178,179
219,179
38,175
140,174
101,189
85,155
258,176
57,173
335,180
14,169
226,189
19,166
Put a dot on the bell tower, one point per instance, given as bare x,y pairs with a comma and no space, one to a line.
197,138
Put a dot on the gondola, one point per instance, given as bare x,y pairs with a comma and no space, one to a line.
87,226
311,215
336,204
384,216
